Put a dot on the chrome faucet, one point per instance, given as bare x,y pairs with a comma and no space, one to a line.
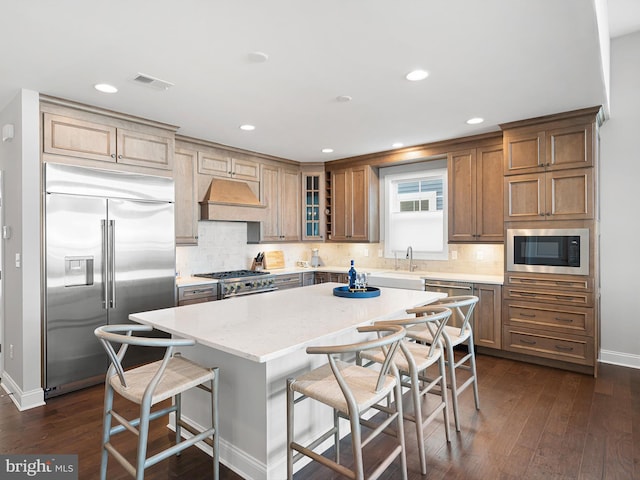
410,258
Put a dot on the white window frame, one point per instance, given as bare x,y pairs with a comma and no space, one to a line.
431,167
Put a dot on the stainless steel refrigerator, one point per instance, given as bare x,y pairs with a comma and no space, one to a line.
110,252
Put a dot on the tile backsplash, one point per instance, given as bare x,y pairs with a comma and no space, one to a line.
223,246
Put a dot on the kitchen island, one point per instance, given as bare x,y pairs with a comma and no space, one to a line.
259,341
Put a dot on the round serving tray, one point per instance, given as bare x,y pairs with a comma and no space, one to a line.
346,293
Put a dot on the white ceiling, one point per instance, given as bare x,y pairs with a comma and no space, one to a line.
503,60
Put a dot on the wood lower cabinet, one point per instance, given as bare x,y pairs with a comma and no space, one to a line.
475,195
324,277
288,280
280,190
487,316
186,190
552,317
188,295
354,196
108,140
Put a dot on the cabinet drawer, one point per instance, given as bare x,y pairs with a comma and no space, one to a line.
559,297
572,320
567,348
553,282
288,281
197,294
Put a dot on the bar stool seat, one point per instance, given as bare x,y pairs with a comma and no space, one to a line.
146,386
350,390
462,307
412,360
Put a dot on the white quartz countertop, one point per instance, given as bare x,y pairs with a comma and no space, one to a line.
190,281
270,325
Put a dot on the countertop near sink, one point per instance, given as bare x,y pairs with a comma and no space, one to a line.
462,277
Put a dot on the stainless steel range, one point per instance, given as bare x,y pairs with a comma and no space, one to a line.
241,282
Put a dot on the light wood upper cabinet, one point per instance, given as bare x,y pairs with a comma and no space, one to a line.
354,194
280,192
186,206
558,146
475,195
554,195
222,165
138,145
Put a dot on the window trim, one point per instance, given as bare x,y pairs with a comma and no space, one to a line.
397,172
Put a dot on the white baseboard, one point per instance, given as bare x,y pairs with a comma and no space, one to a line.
22,400
619,358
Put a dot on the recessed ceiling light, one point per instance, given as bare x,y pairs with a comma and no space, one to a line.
397,145
475,120
105,88
416,75
327,150
258,57
247,127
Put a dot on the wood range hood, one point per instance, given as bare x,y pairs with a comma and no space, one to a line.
231,200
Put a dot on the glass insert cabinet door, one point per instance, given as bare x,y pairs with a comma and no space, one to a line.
313,204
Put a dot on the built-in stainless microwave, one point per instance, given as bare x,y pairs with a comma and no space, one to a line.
551,250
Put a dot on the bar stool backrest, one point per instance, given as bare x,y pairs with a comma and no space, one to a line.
111,335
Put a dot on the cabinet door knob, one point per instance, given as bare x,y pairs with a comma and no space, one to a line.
120,156
113,155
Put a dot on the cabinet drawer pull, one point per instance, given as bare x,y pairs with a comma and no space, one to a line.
527,342
196,292
566,320
563,348
528,315
563,297
526,294
527,280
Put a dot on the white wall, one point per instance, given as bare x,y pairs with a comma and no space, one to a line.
619,200
20,162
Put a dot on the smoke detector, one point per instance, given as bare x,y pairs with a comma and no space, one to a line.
153,82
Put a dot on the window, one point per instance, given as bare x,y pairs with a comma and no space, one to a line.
414,206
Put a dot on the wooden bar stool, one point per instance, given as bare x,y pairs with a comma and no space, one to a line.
350,390
148,385
412,361
462,307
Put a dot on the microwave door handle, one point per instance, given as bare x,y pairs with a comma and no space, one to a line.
105,263
112,261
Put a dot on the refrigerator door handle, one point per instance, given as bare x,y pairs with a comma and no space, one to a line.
105,279
112,262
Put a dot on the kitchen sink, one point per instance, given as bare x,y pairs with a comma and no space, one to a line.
396,280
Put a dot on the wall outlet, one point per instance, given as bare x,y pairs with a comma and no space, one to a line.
380,253
454,254
480,255
365,252
11,352
18,260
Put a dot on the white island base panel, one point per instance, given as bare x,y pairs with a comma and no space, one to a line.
258,342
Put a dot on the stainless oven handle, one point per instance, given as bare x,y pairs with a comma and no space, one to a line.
240,294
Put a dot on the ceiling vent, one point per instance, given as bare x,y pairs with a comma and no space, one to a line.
152,82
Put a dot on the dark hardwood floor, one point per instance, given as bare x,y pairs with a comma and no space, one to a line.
535,423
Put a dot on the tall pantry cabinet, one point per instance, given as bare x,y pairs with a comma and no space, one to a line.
551,172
